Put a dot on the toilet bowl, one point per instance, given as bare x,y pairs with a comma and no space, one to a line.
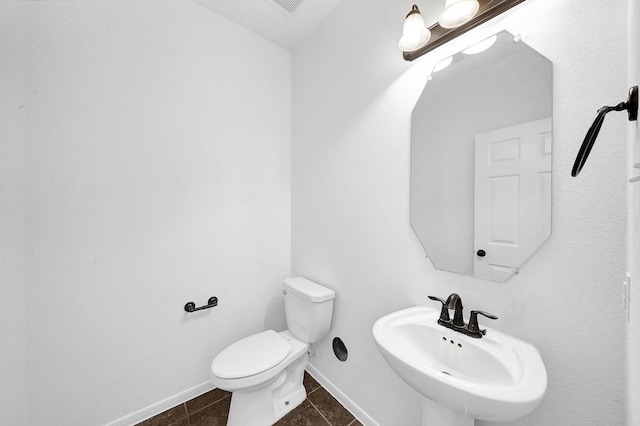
264,371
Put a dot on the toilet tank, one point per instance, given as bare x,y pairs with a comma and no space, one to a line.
309,308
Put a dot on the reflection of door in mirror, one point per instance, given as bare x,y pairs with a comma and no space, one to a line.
503,87
512,196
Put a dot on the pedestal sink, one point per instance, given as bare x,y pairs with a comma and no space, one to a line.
495,378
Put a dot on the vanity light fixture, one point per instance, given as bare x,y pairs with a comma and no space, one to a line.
414,34
449,27
458,12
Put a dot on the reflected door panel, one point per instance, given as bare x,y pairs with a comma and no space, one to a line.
512,194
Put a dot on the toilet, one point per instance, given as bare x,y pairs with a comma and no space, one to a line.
264,372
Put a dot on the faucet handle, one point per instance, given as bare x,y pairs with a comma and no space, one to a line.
473,321
444,312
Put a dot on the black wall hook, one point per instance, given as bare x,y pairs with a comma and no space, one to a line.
631,105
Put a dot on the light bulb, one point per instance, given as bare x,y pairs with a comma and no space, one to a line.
481,46
414,33
443,64
458,12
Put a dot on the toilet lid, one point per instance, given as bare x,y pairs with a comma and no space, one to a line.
251,355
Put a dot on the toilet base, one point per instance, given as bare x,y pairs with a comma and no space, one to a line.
265,406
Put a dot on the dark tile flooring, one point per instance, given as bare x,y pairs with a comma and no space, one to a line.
212,408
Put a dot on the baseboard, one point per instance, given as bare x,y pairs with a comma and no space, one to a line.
165,404
343,399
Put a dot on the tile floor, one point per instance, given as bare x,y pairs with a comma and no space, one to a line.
211,409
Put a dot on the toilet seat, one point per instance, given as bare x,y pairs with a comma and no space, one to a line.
251,355
297,349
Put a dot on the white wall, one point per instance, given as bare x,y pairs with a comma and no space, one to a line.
353,97
158,172
633,248
13,367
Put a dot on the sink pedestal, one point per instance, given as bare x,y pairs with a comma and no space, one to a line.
435,414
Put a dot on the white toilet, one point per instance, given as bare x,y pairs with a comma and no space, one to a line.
265,371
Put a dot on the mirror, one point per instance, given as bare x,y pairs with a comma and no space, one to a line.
481,160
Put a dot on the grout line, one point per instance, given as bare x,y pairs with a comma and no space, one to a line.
319,412
336,402
206,406
187,411
342,399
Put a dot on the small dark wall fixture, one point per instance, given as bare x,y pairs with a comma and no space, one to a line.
631,106
340,349
488,10
191,307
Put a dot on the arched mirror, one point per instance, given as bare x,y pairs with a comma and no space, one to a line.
481,159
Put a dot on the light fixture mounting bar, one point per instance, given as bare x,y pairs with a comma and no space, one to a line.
489,9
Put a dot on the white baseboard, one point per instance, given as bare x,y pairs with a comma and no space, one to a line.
343,399
164,405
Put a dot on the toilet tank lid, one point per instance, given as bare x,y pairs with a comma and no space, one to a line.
308,290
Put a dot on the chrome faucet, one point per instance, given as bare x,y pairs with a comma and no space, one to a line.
457,324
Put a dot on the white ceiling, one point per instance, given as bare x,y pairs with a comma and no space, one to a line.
271,21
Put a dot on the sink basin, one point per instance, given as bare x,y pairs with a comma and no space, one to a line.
495,378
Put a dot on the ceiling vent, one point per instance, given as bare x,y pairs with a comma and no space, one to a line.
289,6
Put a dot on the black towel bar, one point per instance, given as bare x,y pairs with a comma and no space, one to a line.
191,307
